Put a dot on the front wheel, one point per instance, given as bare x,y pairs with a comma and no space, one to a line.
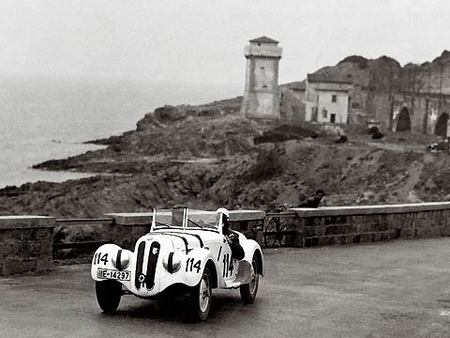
248,291
108,293
201,297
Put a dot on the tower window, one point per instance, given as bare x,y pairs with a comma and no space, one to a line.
333,98
264,86
262,68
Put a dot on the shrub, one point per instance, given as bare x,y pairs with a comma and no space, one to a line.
268,163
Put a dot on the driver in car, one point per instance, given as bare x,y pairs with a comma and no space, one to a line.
237,252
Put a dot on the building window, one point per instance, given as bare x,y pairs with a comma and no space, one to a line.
264,86
314,114
333,98
262,68
324,113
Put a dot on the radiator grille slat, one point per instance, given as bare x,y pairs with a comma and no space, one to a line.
151,265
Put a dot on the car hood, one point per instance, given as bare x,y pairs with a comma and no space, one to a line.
183,239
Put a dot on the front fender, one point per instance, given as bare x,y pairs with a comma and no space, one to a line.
105,257
194,265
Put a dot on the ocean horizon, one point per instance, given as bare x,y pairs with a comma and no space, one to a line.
50,118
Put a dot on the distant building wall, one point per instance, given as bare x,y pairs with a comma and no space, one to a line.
292,106
333,106
327,101
424,110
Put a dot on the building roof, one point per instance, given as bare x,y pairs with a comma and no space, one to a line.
264,39
328,79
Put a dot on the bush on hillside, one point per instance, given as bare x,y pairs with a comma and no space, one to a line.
283,133
268,163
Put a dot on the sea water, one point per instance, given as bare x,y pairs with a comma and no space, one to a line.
50,118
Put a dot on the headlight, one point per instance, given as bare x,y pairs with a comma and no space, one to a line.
172,262
121,260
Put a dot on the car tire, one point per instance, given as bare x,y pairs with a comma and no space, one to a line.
108,294
248,291
200,298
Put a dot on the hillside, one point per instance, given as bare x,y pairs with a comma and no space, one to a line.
206,156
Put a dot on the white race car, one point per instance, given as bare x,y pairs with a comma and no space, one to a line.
184,250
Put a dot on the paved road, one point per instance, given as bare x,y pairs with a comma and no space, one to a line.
395,289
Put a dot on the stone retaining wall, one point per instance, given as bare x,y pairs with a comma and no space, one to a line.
26,244
348,225
26,241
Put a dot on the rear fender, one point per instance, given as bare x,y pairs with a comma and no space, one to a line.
252,248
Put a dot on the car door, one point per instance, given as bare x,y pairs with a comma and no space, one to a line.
227,264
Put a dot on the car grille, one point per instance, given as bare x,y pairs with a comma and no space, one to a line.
146,278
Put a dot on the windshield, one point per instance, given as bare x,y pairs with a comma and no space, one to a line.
185,218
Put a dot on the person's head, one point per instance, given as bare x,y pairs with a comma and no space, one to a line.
320,193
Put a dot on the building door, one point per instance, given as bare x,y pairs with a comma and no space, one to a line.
333,118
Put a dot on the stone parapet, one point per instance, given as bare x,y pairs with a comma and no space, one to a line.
348,225
26,244
265,50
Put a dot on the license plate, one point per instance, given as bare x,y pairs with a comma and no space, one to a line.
113,274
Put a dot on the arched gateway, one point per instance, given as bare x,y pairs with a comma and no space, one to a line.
441,125
403,120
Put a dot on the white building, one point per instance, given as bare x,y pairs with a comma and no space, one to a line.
327,99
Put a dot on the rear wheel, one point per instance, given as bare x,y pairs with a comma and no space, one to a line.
108,293
201,297
248,291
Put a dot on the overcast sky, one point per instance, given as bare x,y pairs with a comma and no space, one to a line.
203,40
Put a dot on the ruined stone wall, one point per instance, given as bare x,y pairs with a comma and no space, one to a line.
292,105
26,244
351,225
424,110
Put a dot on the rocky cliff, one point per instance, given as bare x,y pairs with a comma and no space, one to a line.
208,156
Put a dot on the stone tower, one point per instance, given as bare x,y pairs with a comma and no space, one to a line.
261,96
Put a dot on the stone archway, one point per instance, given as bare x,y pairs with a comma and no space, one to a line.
403,120
441,128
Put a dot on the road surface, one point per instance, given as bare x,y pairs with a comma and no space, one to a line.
393,289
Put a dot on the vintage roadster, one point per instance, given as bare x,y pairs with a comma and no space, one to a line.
185,251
